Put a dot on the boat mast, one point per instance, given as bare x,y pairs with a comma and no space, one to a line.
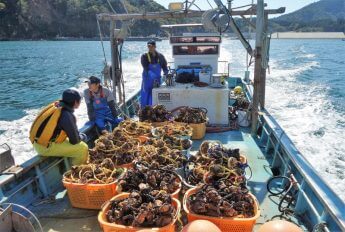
259,70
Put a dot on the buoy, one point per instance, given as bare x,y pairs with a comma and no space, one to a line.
279,226
201,226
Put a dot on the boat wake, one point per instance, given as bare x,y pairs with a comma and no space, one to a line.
307,115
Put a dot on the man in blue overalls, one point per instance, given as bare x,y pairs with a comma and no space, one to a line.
153,63
100,104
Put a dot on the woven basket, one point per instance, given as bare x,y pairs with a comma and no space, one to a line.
234,224
90,196
113,227
199,130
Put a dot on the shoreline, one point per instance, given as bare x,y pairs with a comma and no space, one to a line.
275,35
308,35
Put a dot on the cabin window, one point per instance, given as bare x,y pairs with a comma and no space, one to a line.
195,50
196,39
207,39
181,39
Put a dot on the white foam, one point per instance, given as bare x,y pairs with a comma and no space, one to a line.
307,116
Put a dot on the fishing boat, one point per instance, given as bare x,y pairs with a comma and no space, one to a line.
32,197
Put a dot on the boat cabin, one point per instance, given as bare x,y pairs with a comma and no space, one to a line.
196,49
195,59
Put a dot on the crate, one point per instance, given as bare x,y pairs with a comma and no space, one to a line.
90,196
113,227
234,224
199,130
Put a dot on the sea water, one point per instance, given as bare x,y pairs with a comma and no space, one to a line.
305,90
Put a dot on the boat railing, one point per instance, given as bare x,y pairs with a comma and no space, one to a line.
315,197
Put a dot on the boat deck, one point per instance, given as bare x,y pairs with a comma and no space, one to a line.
60,216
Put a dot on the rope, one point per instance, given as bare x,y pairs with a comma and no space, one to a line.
111,7
209,4
124,6
101,37
248,61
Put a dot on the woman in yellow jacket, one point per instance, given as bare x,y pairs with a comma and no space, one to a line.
55,133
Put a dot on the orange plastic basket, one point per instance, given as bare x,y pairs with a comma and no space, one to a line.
90,196
224,223
199,130
112,227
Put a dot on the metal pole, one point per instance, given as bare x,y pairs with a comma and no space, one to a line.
229,5
263,71
258,66
113,78
182,14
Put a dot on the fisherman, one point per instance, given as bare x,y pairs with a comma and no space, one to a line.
54,131
100,104
153,63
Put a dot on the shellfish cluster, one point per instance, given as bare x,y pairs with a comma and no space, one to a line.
143,209
222,199
103,173
170,142
215,162
191,115
141,178
157,113
117,146
135,128
158,157
173,129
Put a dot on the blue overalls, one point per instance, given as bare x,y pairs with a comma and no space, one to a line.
151,76
102,112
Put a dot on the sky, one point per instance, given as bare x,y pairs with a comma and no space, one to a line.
291,5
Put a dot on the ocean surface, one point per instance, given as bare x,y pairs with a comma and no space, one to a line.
305,90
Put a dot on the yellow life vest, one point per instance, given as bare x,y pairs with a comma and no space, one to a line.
51,113
149,58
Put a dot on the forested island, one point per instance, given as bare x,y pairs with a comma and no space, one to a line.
49,19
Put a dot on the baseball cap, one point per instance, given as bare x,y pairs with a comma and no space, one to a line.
93,80
151,42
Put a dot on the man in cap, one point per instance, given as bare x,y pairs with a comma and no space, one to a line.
153,63
100,104
55,133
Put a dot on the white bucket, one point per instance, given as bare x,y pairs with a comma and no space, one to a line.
243,118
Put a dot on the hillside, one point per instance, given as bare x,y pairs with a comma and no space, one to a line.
324,15
47,19
36,19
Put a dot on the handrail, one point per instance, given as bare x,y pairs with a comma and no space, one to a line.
325,194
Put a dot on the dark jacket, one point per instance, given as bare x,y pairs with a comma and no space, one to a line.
154,60
68,123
